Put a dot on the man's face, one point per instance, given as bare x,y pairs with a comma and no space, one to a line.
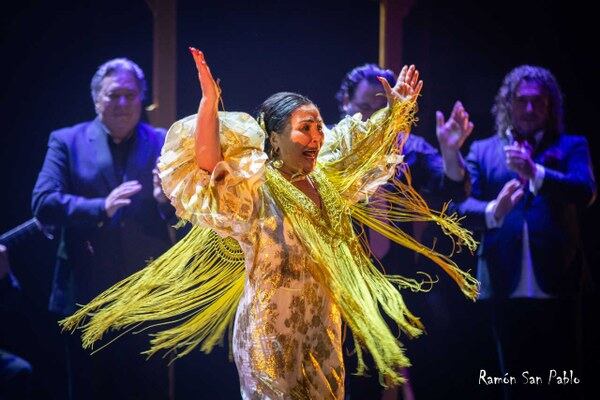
529,108
368,98
119,105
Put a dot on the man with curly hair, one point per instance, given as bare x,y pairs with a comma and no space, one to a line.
529,182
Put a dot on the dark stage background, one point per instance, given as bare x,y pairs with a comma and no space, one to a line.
50,51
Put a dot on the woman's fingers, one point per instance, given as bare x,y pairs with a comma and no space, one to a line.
196,54
206,67
408,83
402,75
411,91
386,87
210,88
417,90
409,87
201,65
415,78
408,77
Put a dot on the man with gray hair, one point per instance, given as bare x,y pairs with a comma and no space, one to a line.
100,186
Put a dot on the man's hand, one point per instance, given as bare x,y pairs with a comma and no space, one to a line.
451,134
157,192
120,196
518,159
508,197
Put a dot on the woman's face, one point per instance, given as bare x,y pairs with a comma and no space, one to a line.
300,143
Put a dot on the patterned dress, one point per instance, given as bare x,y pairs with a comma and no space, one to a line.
287,332
287,341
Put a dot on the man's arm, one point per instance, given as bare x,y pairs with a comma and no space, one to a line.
451,135
482,214
51,201
577,183
474,208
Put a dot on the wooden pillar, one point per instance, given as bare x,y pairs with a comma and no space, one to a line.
162,112
391,20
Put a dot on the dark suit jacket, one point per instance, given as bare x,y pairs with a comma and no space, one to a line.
551,215
95,251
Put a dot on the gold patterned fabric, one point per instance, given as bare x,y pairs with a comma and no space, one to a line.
300,270
287,331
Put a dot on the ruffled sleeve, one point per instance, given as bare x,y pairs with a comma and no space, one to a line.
225,200
358,156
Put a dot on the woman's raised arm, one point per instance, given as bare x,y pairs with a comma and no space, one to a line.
208,147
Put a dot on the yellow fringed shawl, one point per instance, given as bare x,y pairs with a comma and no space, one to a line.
194,288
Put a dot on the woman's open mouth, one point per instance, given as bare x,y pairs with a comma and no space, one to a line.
311,153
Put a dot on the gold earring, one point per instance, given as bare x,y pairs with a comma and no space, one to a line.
277,163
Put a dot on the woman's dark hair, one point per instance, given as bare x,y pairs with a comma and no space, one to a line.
275,112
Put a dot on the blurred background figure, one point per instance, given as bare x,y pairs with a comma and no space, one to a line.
15,372
439,178
530,182
99,185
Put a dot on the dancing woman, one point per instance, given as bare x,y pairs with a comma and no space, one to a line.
273,249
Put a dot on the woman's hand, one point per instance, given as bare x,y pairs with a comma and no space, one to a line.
211,92
407,87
